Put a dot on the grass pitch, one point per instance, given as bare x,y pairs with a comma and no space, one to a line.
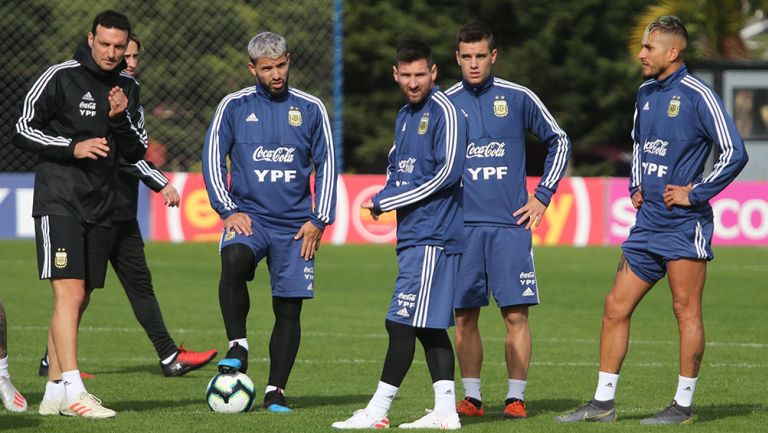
344,342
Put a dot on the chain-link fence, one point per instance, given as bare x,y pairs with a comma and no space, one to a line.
193,54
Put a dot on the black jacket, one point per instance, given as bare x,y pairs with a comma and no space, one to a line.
67,104
128,177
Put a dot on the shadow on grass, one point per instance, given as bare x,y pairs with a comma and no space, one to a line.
12,421
307,401
152,405
710,412
546,408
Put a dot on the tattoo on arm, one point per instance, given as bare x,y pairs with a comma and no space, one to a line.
623,265
3,333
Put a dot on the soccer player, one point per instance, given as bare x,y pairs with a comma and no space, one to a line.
12,398
677,119
424,187
78,117
498,213
273,135
128,259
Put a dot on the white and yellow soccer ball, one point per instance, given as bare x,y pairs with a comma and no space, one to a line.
230,393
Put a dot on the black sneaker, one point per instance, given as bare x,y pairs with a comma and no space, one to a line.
590,412
672,414
43,369
236,360
274,401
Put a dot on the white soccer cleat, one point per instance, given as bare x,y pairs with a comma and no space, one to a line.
48,407
87,406
433,421
12,398
361,419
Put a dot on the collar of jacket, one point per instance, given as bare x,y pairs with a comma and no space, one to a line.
84,56
480,88
675,77
264,93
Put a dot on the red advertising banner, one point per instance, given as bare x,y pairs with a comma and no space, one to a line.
585,211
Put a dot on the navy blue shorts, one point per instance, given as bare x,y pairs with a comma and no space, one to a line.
290,275
424,287
497,260
648,252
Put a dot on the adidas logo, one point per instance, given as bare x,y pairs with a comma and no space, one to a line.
391,396
609,385
88,97
646,107
448,392
528,292
403,313
252,118
687,388
309,287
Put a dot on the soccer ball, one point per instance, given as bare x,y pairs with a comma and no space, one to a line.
230,393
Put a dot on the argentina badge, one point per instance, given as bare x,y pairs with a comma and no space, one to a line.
294,116
500,108
423,124
673,109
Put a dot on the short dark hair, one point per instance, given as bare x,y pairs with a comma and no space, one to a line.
111,20
135,38
412,50
669,24
475,31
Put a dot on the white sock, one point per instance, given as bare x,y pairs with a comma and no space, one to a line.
73,384
472,387
516,389
169,359
686,386
54,391
243,342
273,388
606,386
381,401
4,367
445,397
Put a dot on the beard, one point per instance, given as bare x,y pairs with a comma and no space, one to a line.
275,93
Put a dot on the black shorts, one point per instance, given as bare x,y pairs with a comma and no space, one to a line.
68,248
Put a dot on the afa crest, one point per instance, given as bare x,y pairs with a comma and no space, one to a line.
60,259
500,108
294,116
673,109
229,235
423,124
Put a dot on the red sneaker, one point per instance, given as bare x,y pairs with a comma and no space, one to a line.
186,361
468,408
515,409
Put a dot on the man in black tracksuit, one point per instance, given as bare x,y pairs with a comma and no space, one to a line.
128,259
78,117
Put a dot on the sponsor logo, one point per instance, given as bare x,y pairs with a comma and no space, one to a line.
609,385
528,292
252,118
87,106
423,124
527,275
309,273
487,173
657,147
500,108
406,300
294,116
527,279
646,107
406,165
275,175
493,149
673,109
310,287
403,313
60,258
659,170
281,154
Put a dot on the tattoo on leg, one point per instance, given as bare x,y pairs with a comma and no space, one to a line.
623,266
696,359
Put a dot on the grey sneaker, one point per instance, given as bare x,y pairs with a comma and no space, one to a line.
672,414
589,412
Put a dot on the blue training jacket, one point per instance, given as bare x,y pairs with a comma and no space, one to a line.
677,120
499,113
424,175
272,145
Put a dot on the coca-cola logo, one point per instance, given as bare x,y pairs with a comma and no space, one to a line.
658,147
280,154
493,149
406,165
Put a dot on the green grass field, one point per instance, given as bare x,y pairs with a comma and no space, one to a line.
344,343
